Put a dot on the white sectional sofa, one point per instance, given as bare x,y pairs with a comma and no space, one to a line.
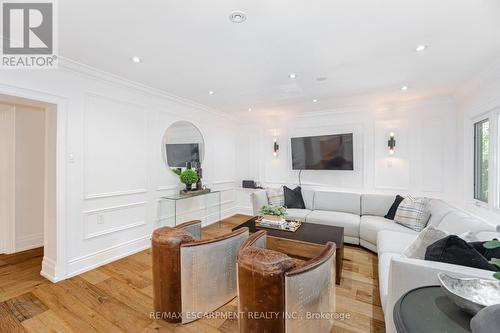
362,216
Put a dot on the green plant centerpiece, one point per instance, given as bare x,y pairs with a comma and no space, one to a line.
189,177
273,213
494,244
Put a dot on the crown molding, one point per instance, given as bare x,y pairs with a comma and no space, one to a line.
77,67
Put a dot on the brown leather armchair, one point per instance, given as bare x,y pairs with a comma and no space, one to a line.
277,293
190,275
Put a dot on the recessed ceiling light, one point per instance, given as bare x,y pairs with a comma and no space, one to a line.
420,48
237,16
315,100
249,109
210,92
293,76
404,88
136,59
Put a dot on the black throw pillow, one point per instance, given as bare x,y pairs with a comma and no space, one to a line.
392,211
293,198
487,253
454,250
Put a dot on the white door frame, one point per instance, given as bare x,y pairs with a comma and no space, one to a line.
7,187
55,215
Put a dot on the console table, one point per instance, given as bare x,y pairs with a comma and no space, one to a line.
172,208
429,310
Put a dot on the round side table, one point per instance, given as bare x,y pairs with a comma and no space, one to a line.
429,310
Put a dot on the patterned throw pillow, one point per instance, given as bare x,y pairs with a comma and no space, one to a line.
275,196
413,213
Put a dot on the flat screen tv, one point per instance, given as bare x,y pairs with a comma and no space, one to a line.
325,152
178,154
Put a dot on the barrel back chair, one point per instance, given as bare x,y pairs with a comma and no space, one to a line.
191,275
287,295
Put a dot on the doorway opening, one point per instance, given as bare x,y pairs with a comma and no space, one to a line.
28,131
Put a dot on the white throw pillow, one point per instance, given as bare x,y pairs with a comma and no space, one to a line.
428,236
275,196
413,213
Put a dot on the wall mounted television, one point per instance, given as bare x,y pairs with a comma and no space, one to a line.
178,154
325,152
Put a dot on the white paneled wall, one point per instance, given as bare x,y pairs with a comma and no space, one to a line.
424,162
115,171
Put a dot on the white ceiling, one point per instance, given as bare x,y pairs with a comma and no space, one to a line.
365,48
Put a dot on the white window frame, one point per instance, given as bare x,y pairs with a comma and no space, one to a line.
483,119
493,203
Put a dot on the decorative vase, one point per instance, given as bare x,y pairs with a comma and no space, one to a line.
188,187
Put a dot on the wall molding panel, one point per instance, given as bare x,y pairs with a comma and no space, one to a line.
121,155
98,217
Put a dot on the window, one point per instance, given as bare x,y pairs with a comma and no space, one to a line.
481,159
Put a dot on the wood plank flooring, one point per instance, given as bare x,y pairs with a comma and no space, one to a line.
118,297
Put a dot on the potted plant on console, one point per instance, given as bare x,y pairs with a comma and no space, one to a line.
189,177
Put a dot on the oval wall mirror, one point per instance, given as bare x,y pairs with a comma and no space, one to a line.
183,146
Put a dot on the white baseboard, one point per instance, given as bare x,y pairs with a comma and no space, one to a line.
91,261
29,242
49,270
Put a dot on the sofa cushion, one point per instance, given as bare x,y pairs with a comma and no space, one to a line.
376,204
439,209
457,222
338,202
384,265
487,235
293,198
297,214
350,222
394,241
308,197
371,225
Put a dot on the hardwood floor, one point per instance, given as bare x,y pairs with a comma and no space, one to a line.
118,297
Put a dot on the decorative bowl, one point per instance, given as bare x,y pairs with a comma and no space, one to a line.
469,294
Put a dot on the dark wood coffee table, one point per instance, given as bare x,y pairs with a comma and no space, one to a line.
307,242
